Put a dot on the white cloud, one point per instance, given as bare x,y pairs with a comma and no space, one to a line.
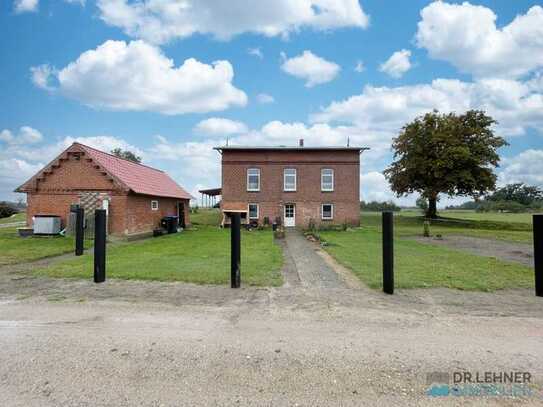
264,98
25,6
256,52
80,2
516,105
26,135
216,126
359,67
466,36
313,69
159,21
397,64
525,167
139,77
42,76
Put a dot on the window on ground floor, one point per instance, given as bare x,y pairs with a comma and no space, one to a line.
154,205
327,211
253,211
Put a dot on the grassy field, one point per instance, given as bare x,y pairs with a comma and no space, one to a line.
424,265
15,249
18,217
477,216
410,223
198,255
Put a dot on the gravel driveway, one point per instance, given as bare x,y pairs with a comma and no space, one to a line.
506,251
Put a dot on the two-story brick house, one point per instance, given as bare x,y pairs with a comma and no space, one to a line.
297,184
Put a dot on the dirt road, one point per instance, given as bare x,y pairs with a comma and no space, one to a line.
73,343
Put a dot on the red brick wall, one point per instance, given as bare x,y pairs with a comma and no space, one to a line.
141,218
308,196
128,214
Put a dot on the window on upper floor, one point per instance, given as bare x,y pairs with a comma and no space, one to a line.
289,179
327,211
327,179
253,211
154,205
253,179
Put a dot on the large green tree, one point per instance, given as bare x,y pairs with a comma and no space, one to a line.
445,153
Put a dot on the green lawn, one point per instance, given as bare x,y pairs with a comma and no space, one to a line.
422,265
477,216
410,223
199,255
15,249
18,217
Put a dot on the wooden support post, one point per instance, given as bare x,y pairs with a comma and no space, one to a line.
79,231
235,252
538,254
100,245
388,252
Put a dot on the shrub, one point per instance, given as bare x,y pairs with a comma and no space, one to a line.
6,210
375,206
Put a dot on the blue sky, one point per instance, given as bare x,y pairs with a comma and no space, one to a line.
145,76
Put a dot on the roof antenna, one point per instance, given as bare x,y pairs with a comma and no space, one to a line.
226,141
348,141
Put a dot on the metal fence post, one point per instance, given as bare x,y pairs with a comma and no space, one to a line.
79,231
538,254
100,245
235,253
388,252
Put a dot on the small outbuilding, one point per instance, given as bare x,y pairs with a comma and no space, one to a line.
135,196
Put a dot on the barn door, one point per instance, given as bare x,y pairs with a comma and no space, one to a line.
181,214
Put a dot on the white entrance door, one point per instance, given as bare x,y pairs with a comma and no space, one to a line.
290,215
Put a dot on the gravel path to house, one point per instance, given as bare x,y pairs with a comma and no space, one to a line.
312,270
507,251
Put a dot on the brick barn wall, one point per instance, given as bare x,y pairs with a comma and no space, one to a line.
141,218
308,197
128,214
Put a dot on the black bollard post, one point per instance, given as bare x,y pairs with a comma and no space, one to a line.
79,231
538,254
99,245
235,256
388,252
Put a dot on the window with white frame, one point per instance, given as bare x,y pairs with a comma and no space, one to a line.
253,211
327,179
327,211
289,179
154,205
253,179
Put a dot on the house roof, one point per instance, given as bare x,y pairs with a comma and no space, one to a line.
289,148
135,177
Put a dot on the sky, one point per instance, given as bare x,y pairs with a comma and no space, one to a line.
171,79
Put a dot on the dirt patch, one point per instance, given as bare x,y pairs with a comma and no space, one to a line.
506,251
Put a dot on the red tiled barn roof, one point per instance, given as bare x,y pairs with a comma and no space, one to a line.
138,178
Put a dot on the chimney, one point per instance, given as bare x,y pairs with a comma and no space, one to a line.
301,142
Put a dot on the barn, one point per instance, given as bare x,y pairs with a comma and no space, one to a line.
136,196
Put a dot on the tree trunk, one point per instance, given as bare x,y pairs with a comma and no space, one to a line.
432,208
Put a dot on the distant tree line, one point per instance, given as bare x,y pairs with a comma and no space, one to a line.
375,206
7,209
510,198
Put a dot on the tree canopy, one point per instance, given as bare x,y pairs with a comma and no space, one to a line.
125,154
445,153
